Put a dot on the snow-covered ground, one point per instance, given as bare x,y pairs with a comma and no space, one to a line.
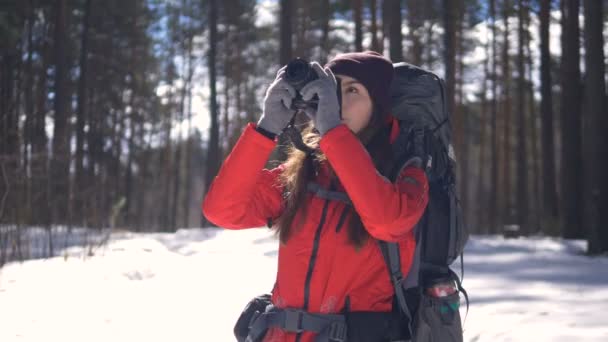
191,286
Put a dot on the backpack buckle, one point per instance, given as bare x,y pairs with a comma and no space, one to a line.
397,279
337,332
293,321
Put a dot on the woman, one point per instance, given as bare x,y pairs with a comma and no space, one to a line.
329,261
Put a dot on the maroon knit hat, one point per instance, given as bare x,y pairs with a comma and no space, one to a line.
370,68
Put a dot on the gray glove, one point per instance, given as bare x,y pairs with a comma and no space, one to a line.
276,113
327,115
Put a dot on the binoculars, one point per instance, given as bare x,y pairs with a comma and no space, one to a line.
299,73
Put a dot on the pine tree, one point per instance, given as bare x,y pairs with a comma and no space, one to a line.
546,107
571,149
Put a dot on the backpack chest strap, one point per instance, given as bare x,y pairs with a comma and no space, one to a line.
321,192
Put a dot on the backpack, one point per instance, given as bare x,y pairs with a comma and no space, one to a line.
419,104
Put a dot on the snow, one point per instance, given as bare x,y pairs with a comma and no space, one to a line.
535,289
191,286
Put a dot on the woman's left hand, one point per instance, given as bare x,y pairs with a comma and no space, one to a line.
327,115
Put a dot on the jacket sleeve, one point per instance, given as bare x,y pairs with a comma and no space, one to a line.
244,194
388,210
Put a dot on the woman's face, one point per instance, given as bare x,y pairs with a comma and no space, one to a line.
356,103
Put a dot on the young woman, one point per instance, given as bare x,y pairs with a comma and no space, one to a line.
329,206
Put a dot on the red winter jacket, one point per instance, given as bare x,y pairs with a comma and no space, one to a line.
318,268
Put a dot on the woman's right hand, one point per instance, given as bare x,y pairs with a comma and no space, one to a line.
276,112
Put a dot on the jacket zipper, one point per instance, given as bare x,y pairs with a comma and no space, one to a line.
313,259
342,218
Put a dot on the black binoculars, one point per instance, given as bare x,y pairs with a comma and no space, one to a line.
299,73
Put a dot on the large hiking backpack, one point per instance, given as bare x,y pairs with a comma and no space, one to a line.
419,103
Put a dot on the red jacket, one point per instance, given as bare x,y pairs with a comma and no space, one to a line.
318,268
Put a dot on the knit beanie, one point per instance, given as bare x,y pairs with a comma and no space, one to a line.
370,68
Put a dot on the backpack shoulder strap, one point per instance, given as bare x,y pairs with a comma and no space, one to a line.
390,252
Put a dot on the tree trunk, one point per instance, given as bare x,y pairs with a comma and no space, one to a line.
395,36
494,129
302,20
482,194
460,119
30,114
132,117
167,161
39,137
286,53
596,125
80,111
357,8
522,156
213,152
449,20
373,8
449,39
535,190
549,187
571,161
506,102
386,19
325,17
188,147
414,8
286,32
61,155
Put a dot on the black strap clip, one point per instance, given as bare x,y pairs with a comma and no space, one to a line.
293,321
337,332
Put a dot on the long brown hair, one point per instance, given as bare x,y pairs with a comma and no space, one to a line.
300,169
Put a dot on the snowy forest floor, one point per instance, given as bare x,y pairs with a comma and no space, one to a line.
192,285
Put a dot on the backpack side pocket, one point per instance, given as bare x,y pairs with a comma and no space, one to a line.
438,319
256,305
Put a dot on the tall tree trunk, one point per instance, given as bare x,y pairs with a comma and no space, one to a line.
459,116
395,36
39,137
450,12
286,32
415,20
506,102
213,152
549,187
179,145
325,17
226,117
9,137
80,111
188,105
167,161
132,117
302,20
30,118
494,123
373,8
450,18
482,194
522,156
535,193
286,53
386,19
60,159
596,125
357,9
571,160
94,171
